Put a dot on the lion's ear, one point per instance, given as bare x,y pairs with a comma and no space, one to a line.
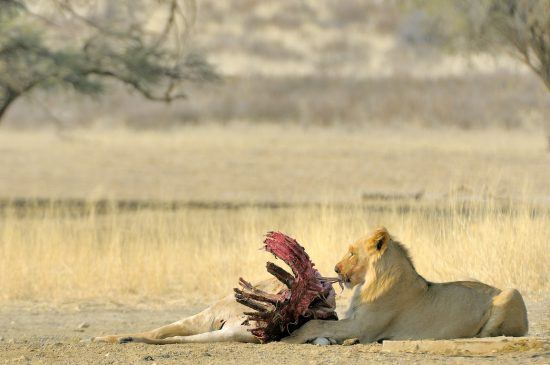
380,238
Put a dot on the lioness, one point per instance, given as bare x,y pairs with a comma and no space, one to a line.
390,301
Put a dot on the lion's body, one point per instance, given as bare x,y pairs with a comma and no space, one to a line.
442,311
390,301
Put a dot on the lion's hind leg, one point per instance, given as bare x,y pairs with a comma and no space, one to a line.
508,316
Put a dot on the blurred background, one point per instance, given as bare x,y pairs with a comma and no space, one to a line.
260,92
435,64
193,127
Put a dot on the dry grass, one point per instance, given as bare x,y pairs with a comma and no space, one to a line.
198,254
57,254
300,66
273,163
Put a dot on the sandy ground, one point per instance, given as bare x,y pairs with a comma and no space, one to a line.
31,335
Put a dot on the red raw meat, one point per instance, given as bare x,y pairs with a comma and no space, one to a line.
307,296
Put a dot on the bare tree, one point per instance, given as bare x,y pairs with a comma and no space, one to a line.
80,45
525,26
519,27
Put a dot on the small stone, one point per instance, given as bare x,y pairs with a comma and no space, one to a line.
83,325
148,358
11,340
350,342
1,338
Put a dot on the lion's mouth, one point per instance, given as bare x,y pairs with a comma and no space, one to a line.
344,279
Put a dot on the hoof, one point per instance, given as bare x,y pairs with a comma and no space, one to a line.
105,339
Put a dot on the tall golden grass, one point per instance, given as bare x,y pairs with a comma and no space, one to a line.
198,254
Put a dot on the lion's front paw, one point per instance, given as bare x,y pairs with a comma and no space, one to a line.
322,341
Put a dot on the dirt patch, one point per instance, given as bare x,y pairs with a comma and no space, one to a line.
31,335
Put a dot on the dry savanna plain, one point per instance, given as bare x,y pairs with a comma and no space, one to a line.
116,231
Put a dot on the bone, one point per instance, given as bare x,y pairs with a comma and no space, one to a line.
308,294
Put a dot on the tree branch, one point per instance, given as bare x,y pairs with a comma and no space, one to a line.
148,94
8,100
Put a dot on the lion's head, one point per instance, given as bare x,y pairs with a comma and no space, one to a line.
361,255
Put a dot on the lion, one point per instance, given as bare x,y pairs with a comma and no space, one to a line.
390,301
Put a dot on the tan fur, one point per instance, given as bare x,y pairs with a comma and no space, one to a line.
221,322
390,301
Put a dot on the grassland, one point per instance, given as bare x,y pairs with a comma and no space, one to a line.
284,163
483,212
198,254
